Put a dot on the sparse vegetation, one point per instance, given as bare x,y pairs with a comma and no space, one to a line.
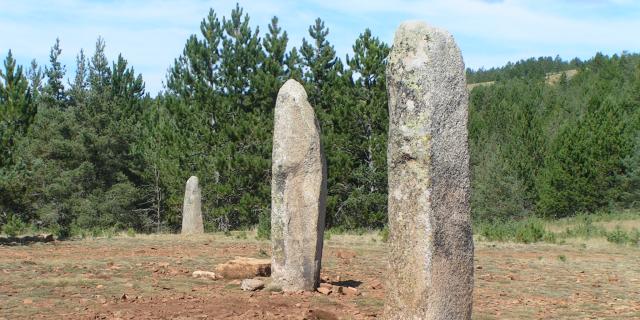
583,227
384,234
131,233
14,226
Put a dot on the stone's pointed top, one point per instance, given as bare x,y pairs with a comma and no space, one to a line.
414,35
418,45
418,27
292,83
192,179
294,88
414,25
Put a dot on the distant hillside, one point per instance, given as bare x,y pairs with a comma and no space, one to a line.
550,78
555,150
529,68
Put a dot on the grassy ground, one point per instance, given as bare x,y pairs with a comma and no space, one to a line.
621,228
149,277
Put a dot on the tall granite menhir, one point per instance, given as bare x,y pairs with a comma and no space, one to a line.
430,244
192,208
298,192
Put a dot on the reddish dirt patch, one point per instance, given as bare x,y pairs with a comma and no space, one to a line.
149,277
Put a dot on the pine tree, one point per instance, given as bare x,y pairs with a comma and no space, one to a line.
195,74
320,60
361,120
241,57
294,65
99,71
126,88
16,106
273,71
35,76
54,90
79,86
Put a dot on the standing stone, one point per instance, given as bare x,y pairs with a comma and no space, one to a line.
431,243
298,192
191,209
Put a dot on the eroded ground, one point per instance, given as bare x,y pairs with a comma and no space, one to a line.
149,277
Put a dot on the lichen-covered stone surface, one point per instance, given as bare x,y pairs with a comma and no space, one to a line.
298,192
192,208
431,244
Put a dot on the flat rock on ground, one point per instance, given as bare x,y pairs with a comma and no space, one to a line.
251,284
243,267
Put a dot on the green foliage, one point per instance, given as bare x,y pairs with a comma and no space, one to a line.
131,233
634,237
263,253
384,234
622,237
14,226
264,227
584,228
54,91
525,231
73,168
17,109
556,150
618,236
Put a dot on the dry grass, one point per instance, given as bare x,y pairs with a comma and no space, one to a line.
87,278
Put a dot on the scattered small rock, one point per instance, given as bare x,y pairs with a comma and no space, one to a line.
251,284
350,291
101,299
375,285
205,274
346,254
324,290
326,285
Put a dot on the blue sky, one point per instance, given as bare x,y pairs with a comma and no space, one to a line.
150,34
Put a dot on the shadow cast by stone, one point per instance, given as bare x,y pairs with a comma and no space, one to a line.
347,283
